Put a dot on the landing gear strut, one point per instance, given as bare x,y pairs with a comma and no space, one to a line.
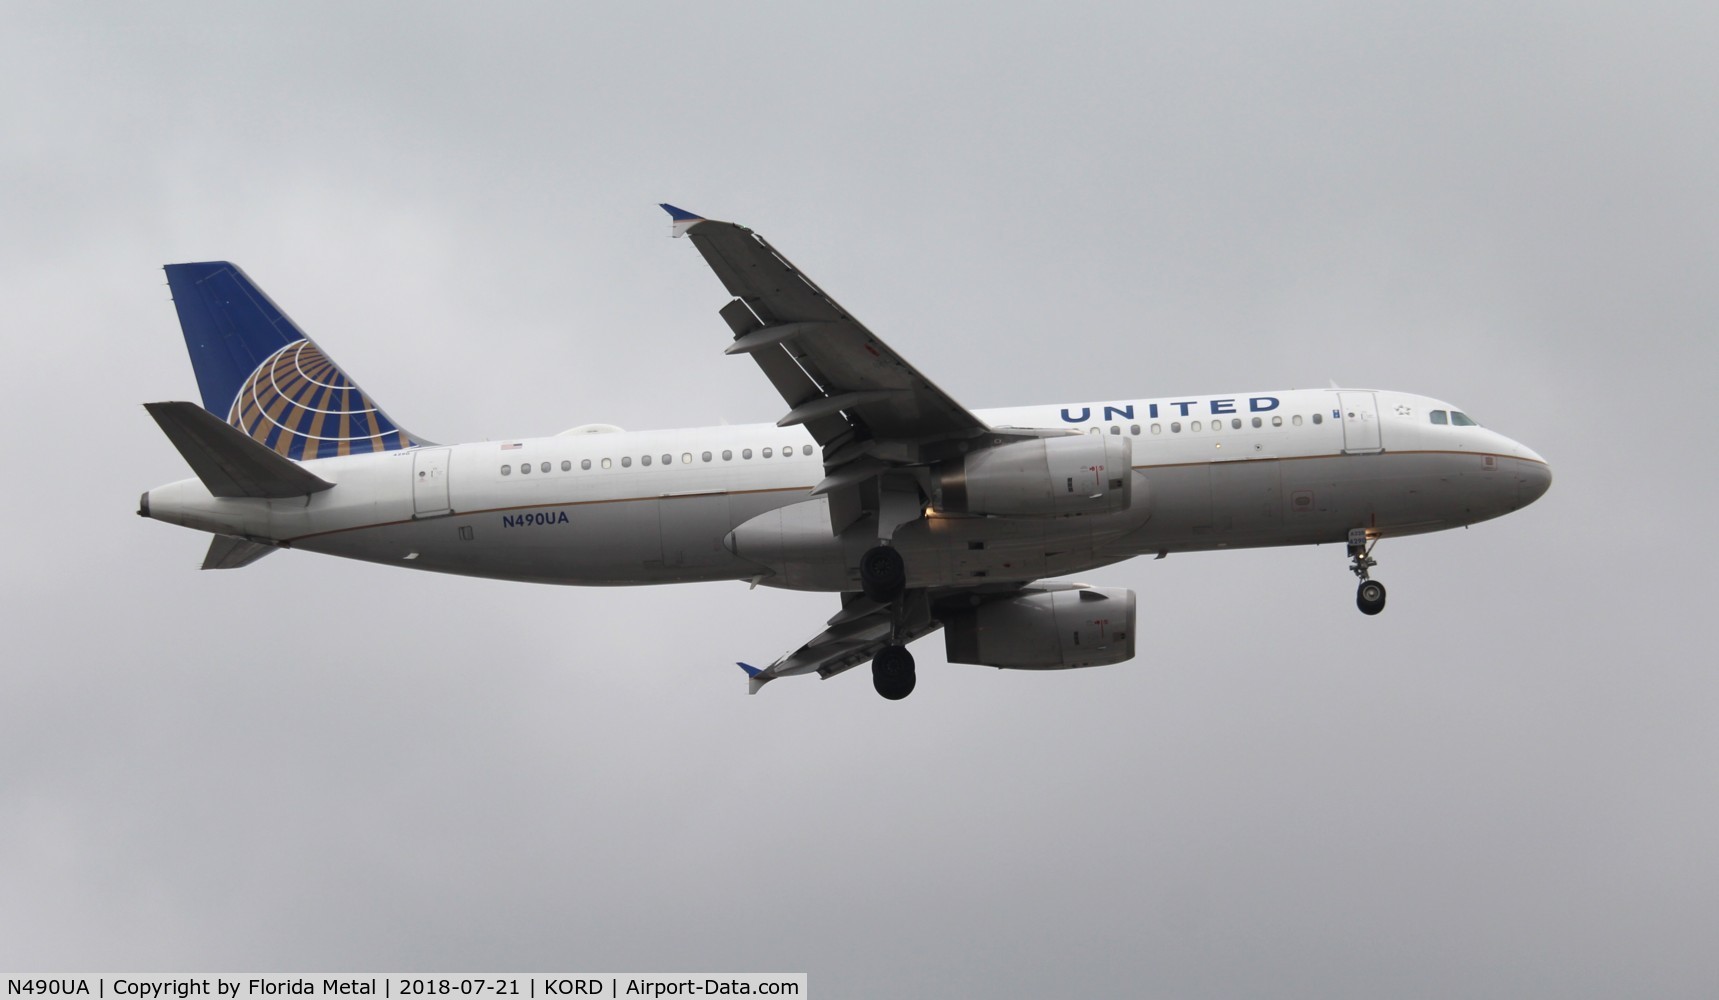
892,672
1370,595
883,578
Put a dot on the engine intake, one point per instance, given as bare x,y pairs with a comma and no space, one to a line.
1044,477
1044,631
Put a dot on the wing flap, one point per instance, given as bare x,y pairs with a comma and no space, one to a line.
836,352
791,382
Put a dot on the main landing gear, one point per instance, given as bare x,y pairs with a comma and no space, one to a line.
1370,595
883,577
892,672
883,574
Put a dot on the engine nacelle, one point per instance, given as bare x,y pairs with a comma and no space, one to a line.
1045,631
1044,477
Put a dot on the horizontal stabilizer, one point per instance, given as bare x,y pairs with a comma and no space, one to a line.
232,552
230,463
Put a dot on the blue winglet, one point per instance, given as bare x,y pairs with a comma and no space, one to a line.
683,220
751,671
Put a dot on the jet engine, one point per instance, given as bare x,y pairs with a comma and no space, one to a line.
1044,630
1044,477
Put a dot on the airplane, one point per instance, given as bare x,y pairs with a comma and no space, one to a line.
875,485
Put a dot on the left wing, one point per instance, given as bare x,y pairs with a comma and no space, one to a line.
873,413
848,370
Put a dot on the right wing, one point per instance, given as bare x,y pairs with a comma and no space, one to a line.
852,637
862,627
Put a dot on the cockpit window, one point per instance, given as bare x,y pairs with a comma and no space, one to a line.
1462,419
1439,417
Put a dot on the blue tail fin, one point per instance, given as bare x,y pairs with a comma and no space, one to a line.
260,373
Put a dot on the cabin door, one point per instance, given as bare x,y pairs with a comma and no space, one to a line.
1360,422
430,482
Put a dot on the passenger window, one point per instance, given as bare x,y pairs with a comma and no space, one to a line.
507,470
746,453
1134,429
525,468
586,465
608,463
1256,421
1439,417
766,453
1235,423
1194,425
643,460
1175,427
806,450
1116,428
728,456
1461,419
1277,421
1157,428
668,459
706,456
627,462
1319,418
544,467
686,457
566,466
1296,420
1093,430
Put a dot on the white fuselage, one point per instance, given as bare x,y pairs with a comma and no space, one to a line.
734,502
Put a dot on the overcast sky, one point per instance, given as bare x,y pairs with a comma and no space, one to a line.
1504,786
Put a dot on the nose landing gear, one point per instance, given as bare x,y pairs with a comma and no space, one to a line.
1370,595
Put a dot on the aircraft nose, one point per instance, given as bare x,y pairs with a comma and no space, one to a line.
1533,479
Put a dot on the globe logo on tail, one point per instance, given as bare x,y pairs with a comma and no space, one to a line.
301,404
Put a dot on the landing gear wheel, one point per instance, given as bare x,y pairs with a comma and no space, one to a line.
1370,597
883,575
892,672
